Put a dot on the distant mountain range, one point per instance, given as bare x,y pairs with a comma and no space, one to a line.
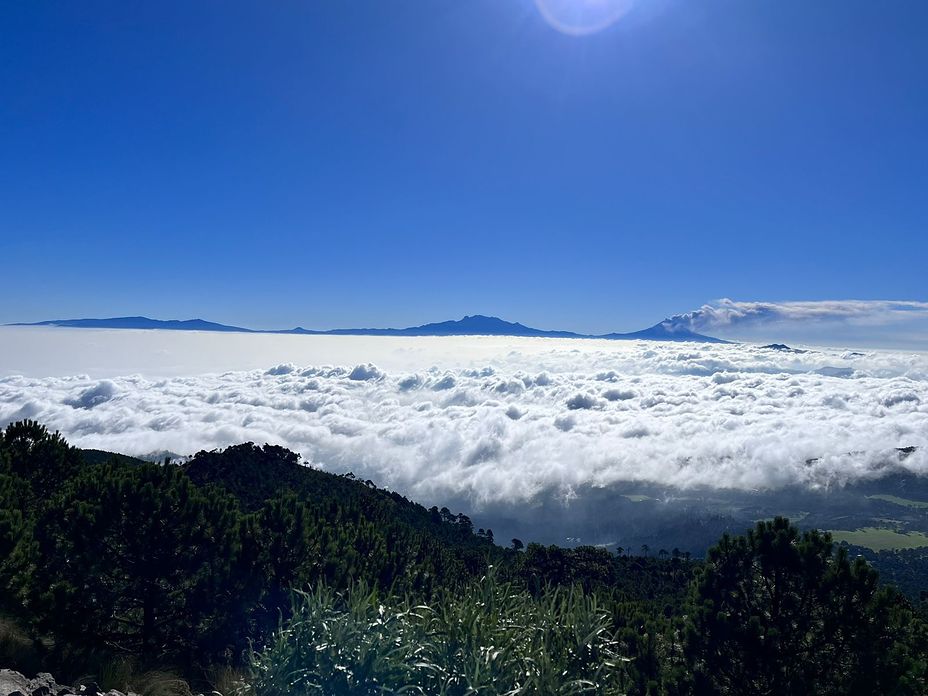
139,323
476,325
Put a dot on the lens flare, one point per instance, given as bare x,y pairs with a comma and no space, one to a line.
582,17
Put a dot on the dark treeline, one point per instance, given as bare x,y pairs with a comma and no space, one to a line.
195,565
904,569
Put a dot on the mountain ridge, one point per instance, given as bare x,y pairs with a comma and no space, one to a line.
469,325
139,322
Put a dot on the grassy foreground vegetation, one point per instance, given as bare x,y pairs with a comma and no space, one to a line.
243,571
491,638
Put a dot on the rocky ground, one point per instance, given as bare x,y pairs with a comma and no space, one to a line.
15,684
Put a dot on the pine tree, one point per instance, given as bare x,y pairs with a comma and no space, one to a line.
42,459
129,558
782,612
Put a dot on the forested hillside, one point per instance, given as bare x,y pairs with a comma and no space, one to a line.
244,561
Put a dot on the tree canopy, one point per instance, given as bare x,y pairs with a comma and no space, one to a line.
779,611
245,549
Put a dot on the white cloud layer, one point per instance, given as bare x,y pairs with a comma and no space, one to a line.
504,420
862,322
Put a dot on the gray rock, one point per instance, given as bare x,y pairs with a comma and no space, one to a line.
15,684
45,685
12,683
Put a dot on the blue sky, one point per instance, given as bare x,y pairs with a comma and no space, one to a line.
391,163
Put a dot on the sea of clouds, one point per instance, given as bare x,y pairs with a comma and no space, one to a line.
490,420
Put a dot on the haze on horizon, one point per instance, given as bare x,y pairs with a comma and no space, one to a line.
863,324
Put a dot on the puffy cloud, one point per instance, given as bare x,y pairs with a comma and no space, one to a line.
362,373
94,395
544,416
618,394
581,401
284,369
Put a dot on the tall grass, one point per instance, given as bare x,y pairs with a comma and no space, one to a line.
491,639
124,675
226,681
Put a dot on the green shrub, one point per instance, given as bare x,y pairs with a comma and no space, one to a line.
491,639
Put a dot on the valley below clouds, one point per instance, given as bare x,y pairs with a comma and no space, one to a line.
485,422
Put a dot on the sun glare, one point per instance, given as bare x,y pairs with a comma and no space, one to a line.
582,17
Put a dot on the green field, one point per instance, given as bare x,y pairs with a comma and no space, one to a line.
880,539
896,500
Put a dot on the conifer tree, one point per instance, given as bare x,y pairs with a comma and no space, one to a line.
130,558
782,612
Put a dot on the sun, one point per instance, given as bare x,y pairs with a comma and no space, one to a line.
582,17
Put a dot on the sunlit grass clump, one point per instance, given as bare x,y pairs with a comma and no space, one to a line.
491,639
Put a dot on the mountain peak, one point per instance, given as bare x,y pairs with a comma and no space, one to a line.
666,330
468,325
